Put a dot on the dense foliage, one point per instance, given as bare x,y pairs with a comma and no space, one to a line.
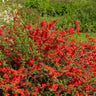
68,11
43,61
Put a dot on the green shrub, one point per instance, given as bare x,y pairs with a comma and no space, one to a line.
50,11
49,8
61,8
84,12
31,3
29,16
42,8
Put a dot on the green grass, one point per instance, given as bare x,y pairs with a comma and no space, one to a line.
83,38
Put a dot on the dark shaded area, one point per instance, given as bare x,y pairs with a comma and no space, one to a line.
1,92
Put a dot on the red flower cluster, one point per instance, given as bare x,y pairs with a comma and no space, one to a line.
77,27
44,61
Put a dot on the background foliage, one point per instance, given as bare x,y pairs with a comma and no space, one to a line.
67,11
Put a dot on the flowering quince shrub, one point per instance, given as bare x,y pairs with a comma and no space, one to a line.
42,61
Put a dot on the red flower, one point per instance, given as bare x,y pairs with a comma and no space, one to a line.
31,61
77,27
54,21
5,76
71,86
42,23
61,86
68,90
59,52
4,26
43,85
86,36
16,13
72,41
1,47
55,86
15,18
1,32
